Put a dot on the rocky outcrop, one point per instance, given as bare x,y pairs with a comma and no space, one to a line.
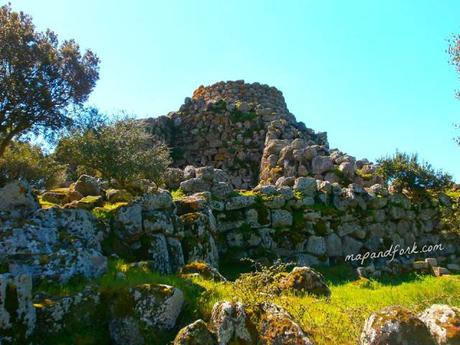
234,323
229,323
53,243
142,311
196,333
395,326
17,314
60,314
443,322
307,280
17,199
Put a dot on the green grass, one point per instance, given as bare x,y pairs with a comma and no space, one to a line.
338,320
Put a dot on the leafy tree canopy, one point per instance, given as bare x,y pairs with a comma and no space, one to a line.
404,172
122,150
40,79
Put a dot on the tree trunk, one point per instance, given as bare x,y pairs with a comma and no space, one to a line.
4,143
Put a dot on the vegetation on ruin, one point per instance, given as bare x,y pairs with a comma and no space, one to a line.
405,172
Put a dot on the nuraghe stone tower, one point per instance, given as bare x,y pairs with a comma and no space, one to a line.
228,125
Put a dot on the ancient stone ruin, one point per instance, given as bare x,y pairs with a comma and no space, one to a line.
247,181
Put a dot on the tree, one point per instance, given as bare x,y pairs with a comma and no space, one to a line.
40,79
122,150
454,52
22,160
405,172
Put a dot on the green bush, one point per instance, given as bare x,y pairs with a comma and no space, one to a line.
404,172
23,160
122,150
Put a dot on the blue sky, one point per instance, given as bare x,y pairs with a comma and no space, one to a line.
373,74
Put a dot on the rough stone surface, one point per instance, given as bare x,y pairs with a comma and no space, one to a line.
17,196
229,323
395,326
87,185
196,333
307,280
443,322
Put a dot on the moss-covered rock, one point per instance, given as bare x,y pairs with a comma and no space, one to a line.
443,321
196,333
203,270
395,326
143,311
307,280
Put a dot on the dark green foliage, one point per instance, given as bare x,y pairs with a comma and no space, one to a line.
298,220
22,160
404,172
39,78
321,228
122,150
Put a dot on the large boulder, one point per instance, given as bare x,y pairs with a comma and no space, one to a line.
173,178
17,324
87,185
443,322
264,324
143,310
17,197
118,195
276,326
196,333
229,323
307,280
395,326
61,314
54,243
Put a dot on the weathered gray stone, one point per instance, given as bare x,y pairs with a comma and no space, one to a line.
351,246
17,195
196,333
281,218
195,185
395,326
321,164
306,185
316,245
229,322
87,185
239,202
307,280
443,322
334,245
